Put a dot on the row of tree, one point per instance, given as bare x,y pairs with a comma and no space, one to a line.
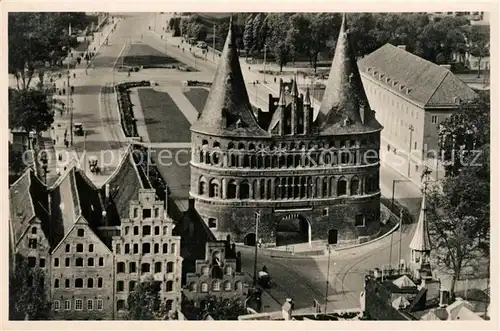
459,209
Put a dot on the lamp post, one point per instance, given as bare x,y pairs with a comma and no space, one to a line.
327,276
213,44
265,53
257,219
409,150
394,182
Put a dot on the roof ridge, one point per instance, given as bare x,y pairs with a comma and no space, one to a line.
117,170
437,87
77,211
137,171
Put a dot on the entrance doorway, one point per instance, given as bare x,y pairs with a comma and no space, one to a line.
293,229
333,236
250,240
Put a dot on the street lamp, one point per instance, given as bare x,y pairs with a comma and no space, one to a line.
329,248
394,182
409,150
257,219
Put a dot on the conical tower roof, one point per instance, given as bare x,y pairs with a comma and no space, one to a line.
421,240
227,111
307,98
345,108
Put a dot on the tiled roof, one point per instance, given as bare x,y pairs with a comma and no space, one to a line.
414,78
344,108
27,199
227,111
124,185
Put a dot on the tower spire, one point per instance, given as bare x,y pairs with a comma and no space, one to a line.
227,110
345,102
307,98
282,99
294,92
420,244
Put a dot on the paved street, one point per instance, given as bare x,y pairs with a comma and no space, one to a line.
303,279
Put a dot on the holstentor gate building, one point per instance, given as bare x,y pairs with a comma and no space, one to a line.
317,176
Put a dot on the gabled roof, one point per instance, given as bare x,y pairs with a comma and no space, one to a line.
282,104
421,240
408,75
27,200
404,282
227,111
124,185
345,108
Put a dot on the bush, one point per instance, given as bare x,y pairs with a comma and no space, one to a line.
125,106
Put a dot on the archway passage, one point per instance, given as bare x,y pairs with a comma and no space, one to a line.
292,229
250,239
333,236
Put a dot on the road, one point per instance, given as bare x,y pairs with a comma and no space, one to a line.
302,279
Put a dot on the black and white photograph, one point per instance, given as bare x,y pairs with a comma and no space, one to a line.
249,165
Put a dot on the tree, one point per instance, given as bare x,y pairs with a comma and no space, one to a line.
27,292
279,27
217,307
248,38
256,29
478,41
144,302
30,110
16,163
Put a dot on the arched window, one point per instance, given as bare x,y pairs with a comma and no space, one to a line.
79,282
120,305
354,186
120,267
205,271
241,146
256,162
262,188
170,267
244,190
169,304
231,190
79,262
90,283
227,286
132,267
216,285
246,161
214,189
192,287
324,187
229,270
145,267
204,287
230,146
90,262
204,142
33,230
317,192
203,187
251,146
341,187
216,144
165,248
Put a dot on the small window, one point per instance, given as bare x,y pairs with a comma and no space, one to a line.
78,304
136,230
67,305
165,248
212,223
67,262
325,211
79,248
170,286
101,261
157,212
131,285
66,283
42,263
229,270
99,304
56,283
145,267
170,267
120,305
99,282
165,230
434,119
157,267
146,248
132,267
32,243
56,262
204,287
146,213
90,304
57,305
215,286
80,233
120,286
172,248
136,248
227,286
146,230
127,229
79,262
90,283
90,262
33,230
360,220
127,248
120,267
415,145
157,248
79,282
136,213
91,248
157,230
68,248
32,262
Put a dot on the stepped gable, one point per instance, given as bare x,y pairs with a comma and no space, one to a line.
227,111
345,108
27,201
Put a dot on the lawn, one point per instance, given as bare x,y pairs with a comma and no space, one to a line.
164,120
147,56
197,96
173,166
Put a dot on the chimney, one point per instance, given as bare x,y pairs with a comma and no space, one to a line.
191,204
403,47
106,191
446,66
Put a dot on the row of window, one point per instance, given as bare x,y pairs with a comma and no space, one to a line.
79,304
216,286
146,248
121,305
79,283
285,146
288,188
32,262
145,267
146,213
146,229
79,262
288,160
120,286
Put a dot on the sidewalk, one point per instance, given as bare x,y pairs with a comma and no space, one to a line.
269,303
